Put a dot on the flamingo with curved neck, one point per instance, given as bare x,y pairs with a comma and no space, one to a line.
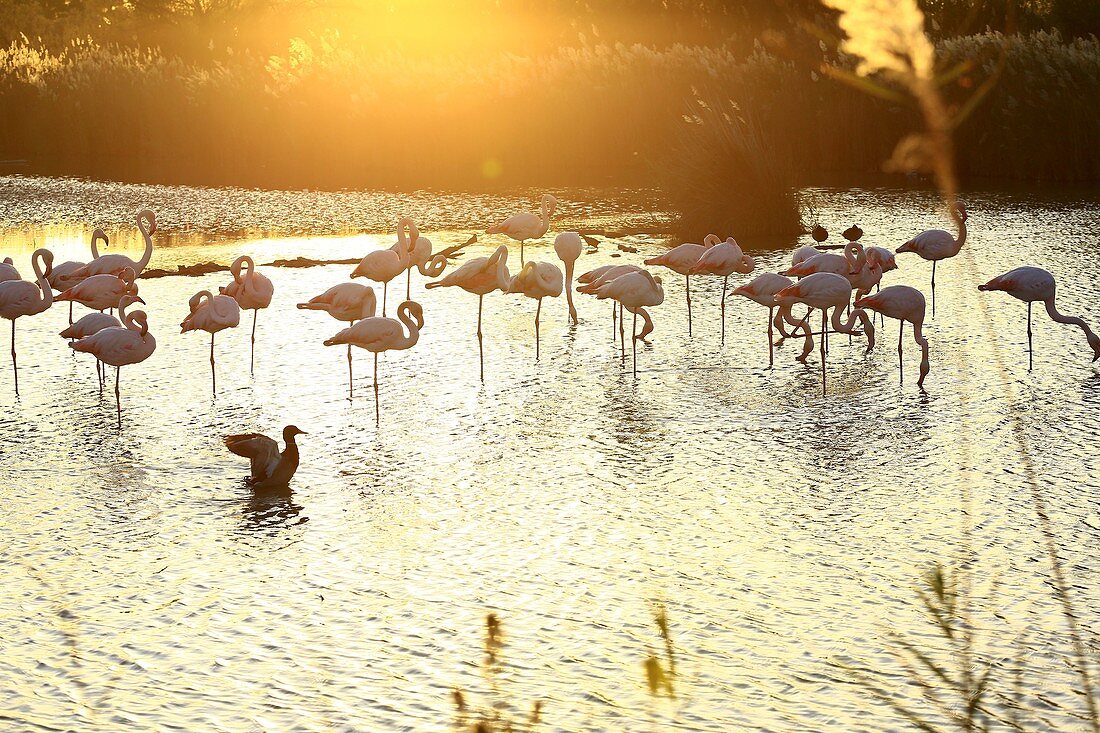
905,304
635,291
522,227
252,291
383,265
119,346
682,259
348,302
937,244
568,246
110,264
20,298
211,313
537,280
420,257
93,323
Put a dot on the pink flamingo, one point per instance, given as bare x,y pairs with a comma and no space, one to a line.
905,304
568,246
522,227
1031,284
936,245
23,298
825,290
723,260
420,257
634,291
593,280
102,292
762,290
384,265
681,260
537,280
8,271
349,302
95,322
378,334
119,346
211,313
479,276
252,291
115,264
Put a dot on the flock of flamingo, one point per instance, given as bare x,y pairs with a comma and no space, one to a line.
825,281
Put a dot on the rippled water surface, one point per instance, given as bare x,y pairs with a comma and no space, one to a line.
148,588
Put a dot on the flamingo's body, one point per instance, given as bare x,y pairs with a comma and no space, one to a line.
479,276
211,313
65,276
635,291
380,334
1034,284
905,304
383,265
93,323
270,469
682,259
522,227
115,264
538,280
723,260
568,246
936,244
252,291
119,346
804,253
349,302
8,271
882,257
101,292
20,298
593,280
762,290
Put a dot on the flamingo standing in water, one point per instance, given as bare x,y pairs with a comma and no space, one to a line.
67,275
762,290
420,257
211,313
23,298
349,302
8,271
379,334
1031,284
905,304
119,346
568,246
522,227
102,292
634,291
252,291
384,265
682,259
825,290
537,280
479,276
270,469
723,260
115,264
936,245
593,280
95,322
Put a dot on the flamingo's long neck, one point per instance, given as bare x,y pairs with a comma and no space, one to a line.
961,239
148,253
414,328
43,282
846,327
433,267
96,236
1093,339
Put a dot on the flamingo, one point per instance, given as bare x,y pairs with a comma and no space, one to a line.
825,290
420,257
723,260
905,304
568,246
252,291
115,264
1031,284
96,322
762,290
633,291
102,292
270,468
349,302
119,346
593,280
936,245
8,271
538,280
853,260
24,298
65,276
379,334
384,265
479,276
211,313
682,259
522,227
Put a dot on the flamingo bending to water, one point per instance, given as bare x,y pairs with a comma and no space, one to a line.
115,264
380,334
762,290
723,260
252,291
211,313
568,246
905,304
937,244
119,346
384,265
538,280
522,227
681,260
593,280
23,298
479,276
634,291
349,302
270,468
1031,284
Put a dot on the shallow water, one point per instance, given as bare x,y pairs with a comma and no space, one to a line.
148,587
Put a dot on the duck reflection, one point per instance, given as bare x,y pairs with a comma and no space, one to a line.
272,508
